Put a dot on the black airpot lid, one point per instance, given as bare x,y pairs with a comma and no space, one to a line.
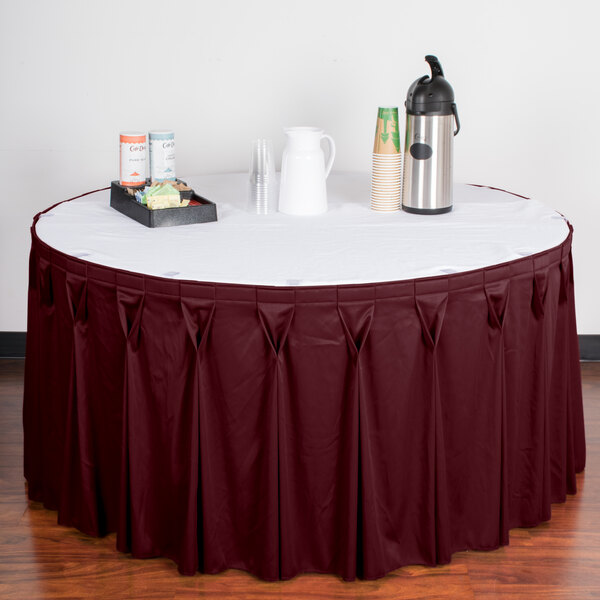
430,95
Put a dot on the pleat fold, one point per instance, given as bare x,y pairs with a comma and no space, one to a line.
356,309
198,315
276,312
78,502
544,310
431,300
577,440
130,304
53,374
46,289
497,293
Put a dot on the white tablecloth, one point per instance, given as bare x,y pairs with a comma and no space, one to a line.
348,244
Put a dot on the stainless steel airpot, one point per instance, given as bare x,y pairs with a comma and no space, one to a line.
430,117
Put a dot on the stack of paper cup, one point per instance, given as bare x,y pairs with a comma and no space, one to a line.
386,175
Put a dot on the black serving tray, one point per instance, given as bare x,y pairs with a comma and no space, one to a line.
121,200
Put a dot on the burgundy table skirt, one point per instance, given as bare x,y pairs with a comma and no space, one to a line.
337,429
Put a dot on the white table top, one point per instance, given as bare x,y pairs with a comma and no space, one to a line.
348,244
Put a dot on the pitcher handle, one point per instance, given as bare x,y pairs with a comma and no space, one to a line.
331,154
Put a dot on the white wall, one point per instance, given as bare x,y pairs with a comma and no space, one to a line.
76,72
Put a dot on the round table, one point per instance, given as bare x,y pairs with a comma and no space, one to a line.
346,394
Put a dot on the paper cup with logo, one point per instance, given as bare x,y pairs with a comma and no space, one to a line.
387,133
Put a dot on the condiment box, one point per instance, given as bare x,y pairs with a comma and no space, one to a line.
200,210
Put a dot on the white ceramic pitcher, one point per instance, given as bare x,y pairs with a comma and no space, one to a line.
303,171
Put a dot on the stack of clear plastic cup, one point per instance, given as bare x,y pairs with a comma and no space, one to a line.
262,187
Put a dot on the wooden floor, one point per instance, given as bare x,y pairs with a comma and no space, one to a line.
39,559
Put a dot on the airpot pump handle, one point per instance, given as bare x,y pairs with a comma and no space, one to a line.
436,68
455,113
